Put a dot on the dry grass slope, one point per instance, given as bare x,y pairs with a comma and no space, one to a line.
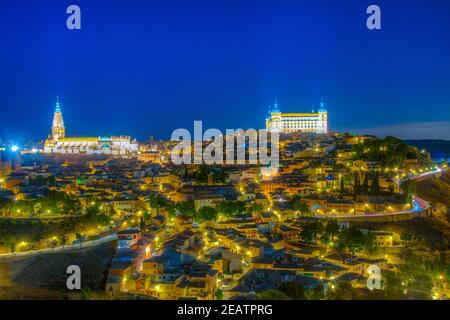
44,276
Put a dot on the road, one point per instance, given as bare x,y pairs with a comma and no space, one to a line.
423,175
442,219
419,205
84,245
54,217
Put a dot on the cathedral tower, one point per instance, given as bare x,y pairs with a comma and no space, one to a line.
58,130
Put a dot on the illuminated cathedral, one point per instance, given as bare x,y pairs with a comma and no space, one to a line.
57,142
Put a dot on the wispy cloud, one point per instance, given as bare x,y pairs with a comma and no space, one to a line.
412,130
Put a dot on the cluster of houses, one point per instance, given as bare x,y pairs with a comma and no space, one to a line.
180,261
238,254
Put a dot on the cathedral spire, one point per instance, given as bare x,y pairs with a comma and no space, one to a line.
58,107
58,130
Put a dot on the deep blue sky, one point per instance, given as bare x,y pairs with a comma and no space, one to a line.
148,67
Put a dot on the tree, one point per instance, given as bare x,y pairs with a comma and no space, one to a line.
4,206
53,243
255,208
158,202
85,293
342,186
343,291
37,209
393,285
316,293
376,294
206,214
271,295
142,223
365,185
447,273
239,207
231,208
356,184
409,188
331,229
219,294
63,239
12,245
388,152
201,173
301,206
94,216
311,231
111,211
63,229
79,238
375,186
186,208
293,290
354,240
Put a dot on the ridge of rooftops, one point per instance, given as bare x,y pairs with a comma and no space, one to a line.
258,280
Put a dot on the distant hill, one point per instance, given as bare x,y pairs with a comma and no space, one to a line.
439,149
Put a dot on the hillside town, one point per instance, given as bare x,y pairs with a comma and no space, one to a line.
315,228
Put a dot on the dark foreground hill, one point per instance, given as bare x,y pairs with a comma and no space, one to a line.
44,276
436,189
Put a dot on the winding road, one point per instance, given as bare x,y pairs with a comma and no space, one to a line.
84,245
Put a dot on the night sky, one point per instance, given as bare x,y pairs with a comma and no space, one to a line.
148,67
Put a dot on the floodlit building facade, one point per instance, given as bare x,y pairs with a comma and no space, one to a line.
57,142
314,122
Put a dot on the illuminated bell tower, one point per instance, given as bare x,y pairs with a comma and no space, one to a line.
323,119
58,130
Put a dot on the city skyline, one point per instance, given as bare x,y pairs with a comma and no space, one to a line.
438,130
224,64
225,155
